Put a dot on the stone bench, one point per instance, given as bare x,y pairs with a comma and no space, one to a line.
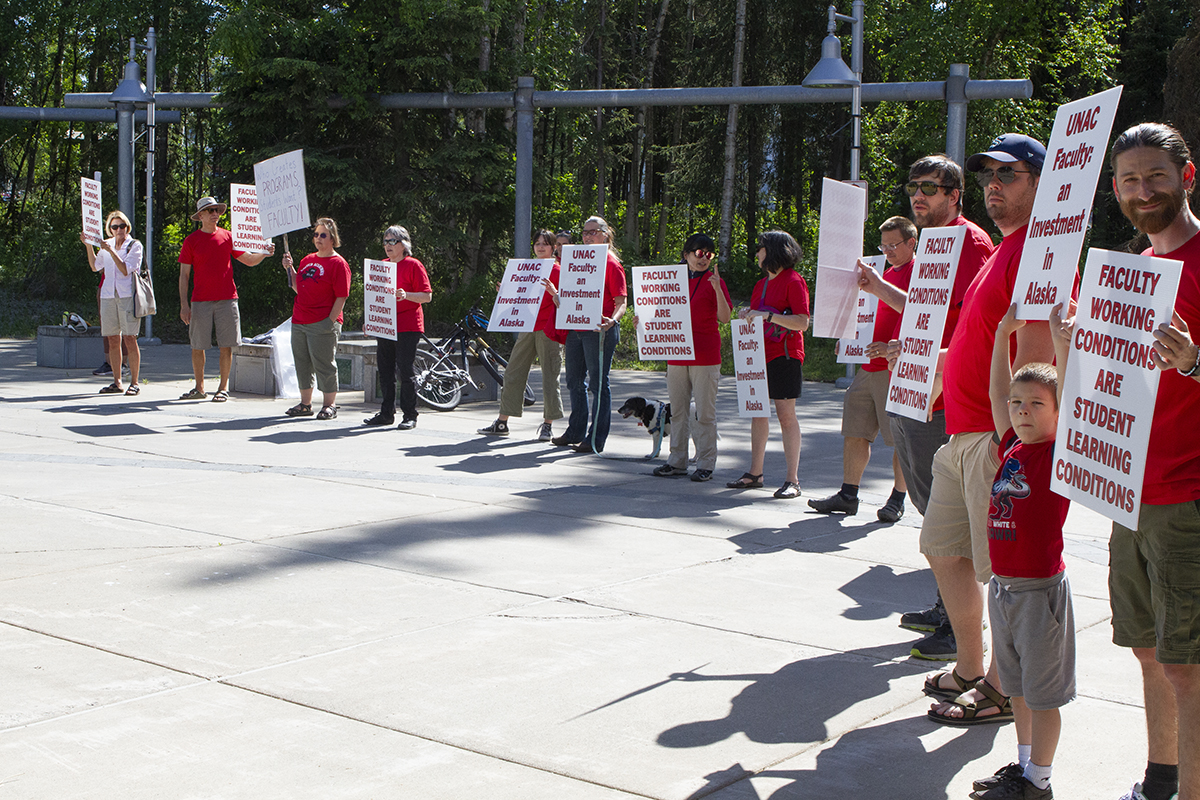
64,348
252,372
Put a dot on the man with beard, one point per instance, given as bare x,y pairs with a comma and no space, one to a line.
954,533
1154,584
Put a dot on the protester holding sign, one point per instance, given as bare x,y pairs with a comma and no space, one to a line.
1155,594
543,343
587,367
120,257
412,290
781,300
205,256
321,284
697,378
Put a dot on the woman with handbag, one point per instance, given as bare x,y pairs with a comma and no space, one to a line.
781,299
120,258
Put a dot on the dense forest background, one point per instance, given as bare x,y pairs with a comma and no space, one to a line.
655,174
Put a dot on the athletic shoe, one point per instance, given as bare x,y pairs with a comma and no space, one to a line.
497,428
1010,773
702,475
836,504
103,369
892,512
1135,793
407,424
667,471
544,432
937,646
928,620
1020,789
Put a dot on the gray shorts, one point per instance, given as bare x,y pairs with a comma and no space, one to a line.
1033,639
117,318
219,315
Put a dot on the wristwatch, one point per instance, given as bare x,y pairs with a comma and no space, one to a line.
770,314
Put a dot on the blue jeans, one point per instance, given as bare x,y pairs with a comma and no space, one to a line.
585,371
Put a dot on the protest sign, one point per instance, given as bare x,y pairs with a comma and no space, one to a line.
663,307
243,219
93,211
750,367
853,350
520,295
581,287
379,298
1066,191
282,197
1111,385
843,212
921,327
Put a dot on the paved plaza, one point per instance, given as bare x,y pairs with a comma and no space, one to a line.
204,600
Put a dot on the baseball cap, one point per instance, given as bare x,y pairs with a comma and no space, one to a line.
1010,147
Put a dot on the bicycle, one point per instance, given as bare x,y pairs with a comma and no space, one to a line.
441,373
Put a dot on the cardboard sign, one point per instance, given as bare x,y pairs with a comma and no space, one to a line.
1063,205
243,219
581,287
379,298
924,320
1111,386
664,311
843,212
750,367
282,196
93,211
854,350
520,295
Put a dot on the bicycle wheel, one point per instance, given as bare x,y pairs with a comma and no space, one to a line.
495,366
438,385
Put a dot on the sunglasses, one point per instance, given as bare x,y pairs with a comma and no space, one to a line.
118,226
320,235
927,188
702,253
592,231
389,242
1005,174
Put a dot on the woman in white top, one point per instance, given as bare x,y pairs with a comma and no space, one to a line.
119,257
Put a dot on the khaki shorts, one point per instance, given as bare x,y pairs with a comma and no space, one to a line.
964,470
863,408
116,317
1154,582
221,315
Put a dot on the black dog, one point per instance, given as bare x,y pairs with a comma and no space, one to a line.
654,416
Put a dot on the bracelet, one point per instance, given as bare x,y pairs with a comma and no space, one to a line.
1195,366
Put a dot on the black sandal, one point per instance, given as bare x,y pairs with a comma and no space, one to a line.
747,481
788,491
328,412
300,410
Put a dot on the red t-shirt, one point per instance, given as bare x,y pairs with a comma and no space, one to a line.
706,336
614,284
411,277
212,271
887,319
319,282
784,293
1025,518
548,312
1173,460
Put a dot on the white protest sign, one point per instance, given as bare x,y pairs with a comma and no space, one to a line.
581,287
1110,386
921,327
243,219
854,350
1050,260
93,211
660,298
750,367
379,298
282,197
520,295
843,212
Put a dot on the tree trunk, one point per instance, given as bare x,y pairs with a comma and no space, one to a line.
660,241
600,176
634,192
739,35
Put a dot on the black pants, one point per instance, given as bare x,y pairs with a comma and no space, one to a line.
397,357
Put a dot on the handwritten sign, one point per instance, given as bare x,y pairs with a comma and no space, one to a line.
379,298
581,287
243,219
282,196
93,211
843,212
1110,386
1063,205
660,297
520,295
854,350
925,308
750,367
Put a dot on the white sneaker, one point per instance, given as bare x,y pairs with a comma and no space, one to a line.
1135,793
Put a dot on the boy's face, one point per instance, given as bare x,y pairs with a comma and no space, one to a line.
1032,412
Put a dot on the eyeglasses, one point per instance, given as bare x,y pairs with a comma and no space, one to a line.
320,235
389,242
1005,174
927,188
890,248
117,226
702,253
592,231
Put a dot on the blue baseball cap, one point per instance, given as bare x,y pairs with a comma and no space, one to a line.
1010,147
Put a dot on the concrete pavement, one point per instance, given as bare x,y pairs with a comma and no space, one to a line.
202,600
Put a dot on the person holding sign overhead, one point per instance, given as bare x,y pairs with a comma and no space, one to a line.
544,343
321,284
587,368
697,379
1154,587
781,299
119,258
412,291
